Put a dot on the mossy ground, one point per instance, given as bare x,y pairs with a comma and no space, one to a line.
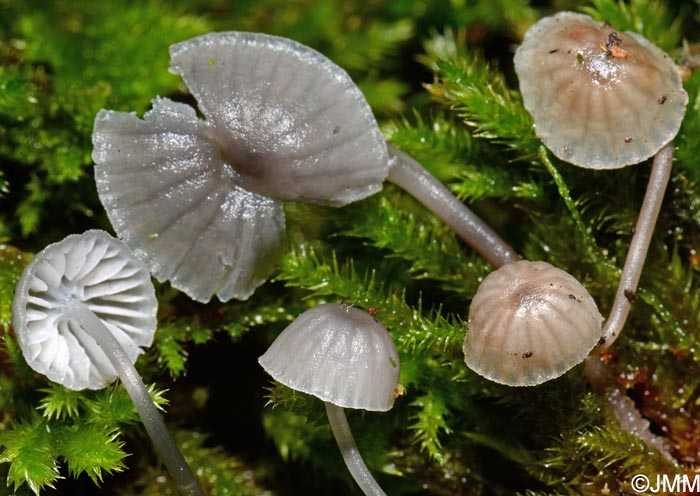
439,77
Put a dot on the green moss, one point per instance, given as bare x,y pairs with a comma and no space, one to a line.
439,78
12,262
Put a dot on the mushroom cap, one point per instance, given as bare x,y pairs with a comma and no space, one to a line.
339,354
599,99
91,269
290,122
179,207
199,200
530,322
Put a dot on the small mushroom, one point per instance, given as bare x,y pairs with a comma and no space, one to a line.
343,356
601,99
84,310
200,200
529,322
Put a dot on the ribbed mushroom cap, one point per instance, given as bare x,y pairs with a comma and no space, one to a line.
99,272
600,99
530,322
290,122
339,354
199,200
179,207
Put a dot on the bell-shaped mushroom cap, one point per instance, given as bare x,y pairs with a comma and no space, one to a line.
179,207
96,271
290,122
530,322
339,354
599,99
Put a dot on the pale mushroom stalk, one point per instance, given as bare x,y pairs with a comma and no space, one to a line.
411,176
351,454
622,406
163,443
632,270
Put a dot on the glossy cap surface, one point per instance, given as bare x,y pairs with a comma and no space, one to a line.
179,207
339,354
599,98
96,271
199,200
530,322
290,122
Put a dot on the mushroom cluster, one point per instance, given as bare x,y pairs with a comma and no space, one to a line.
599,99
200,200
197,197
602,99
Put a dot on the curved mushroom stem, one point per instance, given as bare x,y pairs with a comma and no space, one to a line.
621,406
631,272
348,448
407,173
163,443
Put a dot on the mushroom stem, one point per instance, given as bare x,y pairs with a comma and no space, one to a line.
621,406
163,443
631,272
348,448
407,173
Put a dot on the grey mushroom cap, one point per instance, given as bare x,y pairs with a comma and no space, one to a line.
530,322
339,354
199,200
290,122
92,270
600,99
179,207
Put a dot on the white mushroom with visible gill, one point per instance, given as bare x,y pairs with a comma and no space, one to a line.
343,356
84,310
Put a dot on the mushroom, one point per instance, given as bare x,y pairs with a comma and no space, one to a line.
200,201
529,322
601,99
343,356
84,310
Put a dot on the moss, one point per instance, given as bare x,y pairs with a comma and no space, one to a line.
439,77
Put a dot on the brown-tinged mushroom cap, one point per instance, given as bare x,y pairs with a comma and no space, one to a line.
599,98
94,271
339,354
530,322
